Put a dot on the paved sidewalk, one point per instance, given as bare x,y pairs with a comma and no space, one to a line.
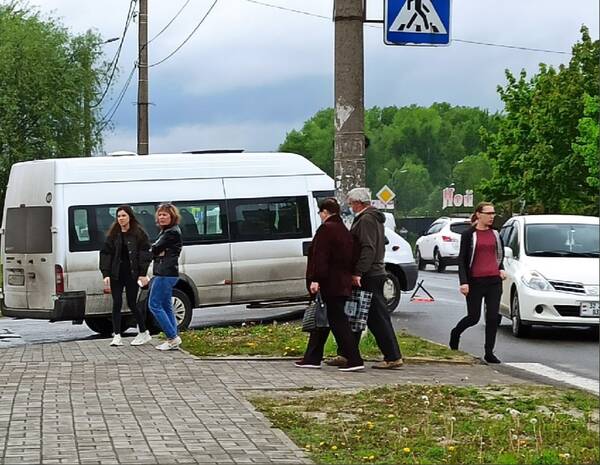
87,403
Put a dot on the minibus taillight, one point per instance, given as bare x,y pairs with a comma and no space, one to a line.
59,278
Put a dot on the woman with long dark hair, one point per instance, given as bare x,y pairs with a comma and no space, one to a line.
481,272
124,260
166,250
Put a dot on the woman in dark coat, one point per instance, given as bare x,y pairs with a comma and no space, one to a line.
166,250
329,271
481,272
124,260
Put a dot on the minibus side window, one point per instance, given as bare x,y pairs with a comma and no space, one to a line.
203,221
269,218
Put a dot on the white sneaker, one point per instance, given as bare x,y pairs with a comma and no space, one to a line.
141,338
170,345
116,342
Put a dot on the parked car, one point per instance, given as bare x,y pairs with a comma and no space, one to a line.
440,243
401,268
551,263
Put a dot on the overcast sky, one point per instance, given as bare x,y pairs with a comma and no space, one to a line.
251,73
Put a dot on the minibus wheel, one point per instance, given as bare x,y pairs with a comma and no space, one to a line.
182,308
100,325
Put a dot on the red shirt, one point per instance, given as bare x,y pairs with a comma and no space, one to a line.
484,262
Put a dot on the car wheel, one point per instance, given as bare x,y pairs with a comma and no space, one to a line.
420,263
518,328
391,292
101,326
182,308
438,262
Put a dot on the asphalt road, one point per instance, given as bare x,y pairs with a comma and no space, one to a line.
568,349
14,332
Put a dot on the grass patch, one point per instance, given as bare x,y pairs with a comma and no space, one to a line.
440,424
287,339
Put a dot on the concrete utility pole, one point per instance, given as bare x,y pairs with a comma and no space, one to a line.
142,103
349,152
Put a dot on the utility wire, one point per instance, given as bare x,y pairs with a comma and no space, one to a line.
489,44
113,110
115,60
187,38
170,22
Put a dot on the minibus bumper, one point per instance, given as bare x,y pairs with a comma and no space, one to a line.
68,306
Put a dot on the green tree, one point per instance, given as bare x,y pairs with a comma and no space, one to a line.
541,152
49,80
586,143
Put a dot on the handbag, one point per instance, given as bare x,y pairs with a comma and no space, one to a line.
315,315
357,309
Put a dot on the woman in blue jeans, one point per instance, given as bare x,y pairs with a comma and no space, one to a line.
166,250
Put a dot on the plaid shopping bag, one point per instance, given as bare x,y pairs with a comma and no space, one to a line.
357,309
315,315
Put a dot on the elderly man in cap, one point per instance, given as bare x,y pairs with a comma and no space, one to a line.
370,275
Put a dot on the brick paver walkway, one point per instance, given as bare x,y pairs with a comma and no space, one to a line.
87,403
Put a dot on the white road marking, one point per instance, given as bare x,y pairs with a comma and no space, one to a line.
588,384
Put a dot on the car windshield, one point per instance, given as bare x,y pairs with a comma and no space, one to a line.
459,228
562,240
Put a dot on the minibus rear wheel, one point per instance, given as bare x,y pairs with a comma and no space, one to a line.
100,325
182,308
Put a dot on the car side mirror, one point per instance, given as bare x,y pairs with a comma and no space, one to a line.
508,252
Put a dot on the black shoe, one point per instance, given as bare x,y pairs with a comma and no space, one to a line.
454,340
304,364
491,358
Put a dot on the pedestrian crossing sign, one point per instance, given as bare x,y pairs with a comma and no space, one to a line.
417,22
385,194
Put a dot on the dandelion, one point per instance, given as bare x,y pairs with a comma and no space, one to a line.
371,457
565,455
451,448
243,324
307,446
405,430
406,450
498,416
452,418
391,415
322,443
514,413
515,437
424,398
426,403
333,447
533,421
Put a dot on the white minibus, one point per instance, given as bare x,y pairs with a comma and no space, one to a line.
247,221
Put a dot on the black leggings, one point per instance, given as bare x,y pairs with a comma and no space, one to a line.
490,290
131,292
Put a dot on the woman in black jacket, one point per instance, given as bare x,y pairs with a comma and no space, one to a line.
124,260
166,250
481,272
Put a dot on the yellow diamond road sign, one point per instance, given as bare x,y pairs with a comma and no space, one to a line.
385,194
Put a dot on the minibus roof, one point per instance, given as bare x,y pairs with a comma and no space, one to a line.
179,166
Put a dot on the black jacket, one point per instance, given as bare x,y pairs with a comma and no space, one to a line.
467,252
368,232
138,247
168,241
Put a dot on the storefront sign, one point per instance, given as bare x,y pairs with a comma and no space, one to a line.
450,199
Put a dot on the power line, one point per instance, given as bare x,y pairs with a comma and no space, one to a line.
115,60
187,38
170,22
113,110
474,42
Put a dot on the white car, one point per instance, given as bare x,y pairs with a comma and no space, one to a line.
440,243
551,264
401,268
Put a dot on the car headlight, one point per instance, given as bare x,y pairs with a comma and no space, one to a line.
536,281
591,290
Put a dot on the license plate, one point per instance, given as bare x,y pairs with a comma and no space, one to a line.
589,309
16,279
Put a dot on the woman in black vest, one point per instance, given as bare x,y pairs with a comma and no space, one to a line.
124,260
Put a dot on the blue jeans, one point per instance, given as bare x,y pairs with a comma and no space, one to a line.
161,292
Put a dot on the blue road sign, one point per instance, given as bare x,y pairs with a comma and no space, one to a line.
417,22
